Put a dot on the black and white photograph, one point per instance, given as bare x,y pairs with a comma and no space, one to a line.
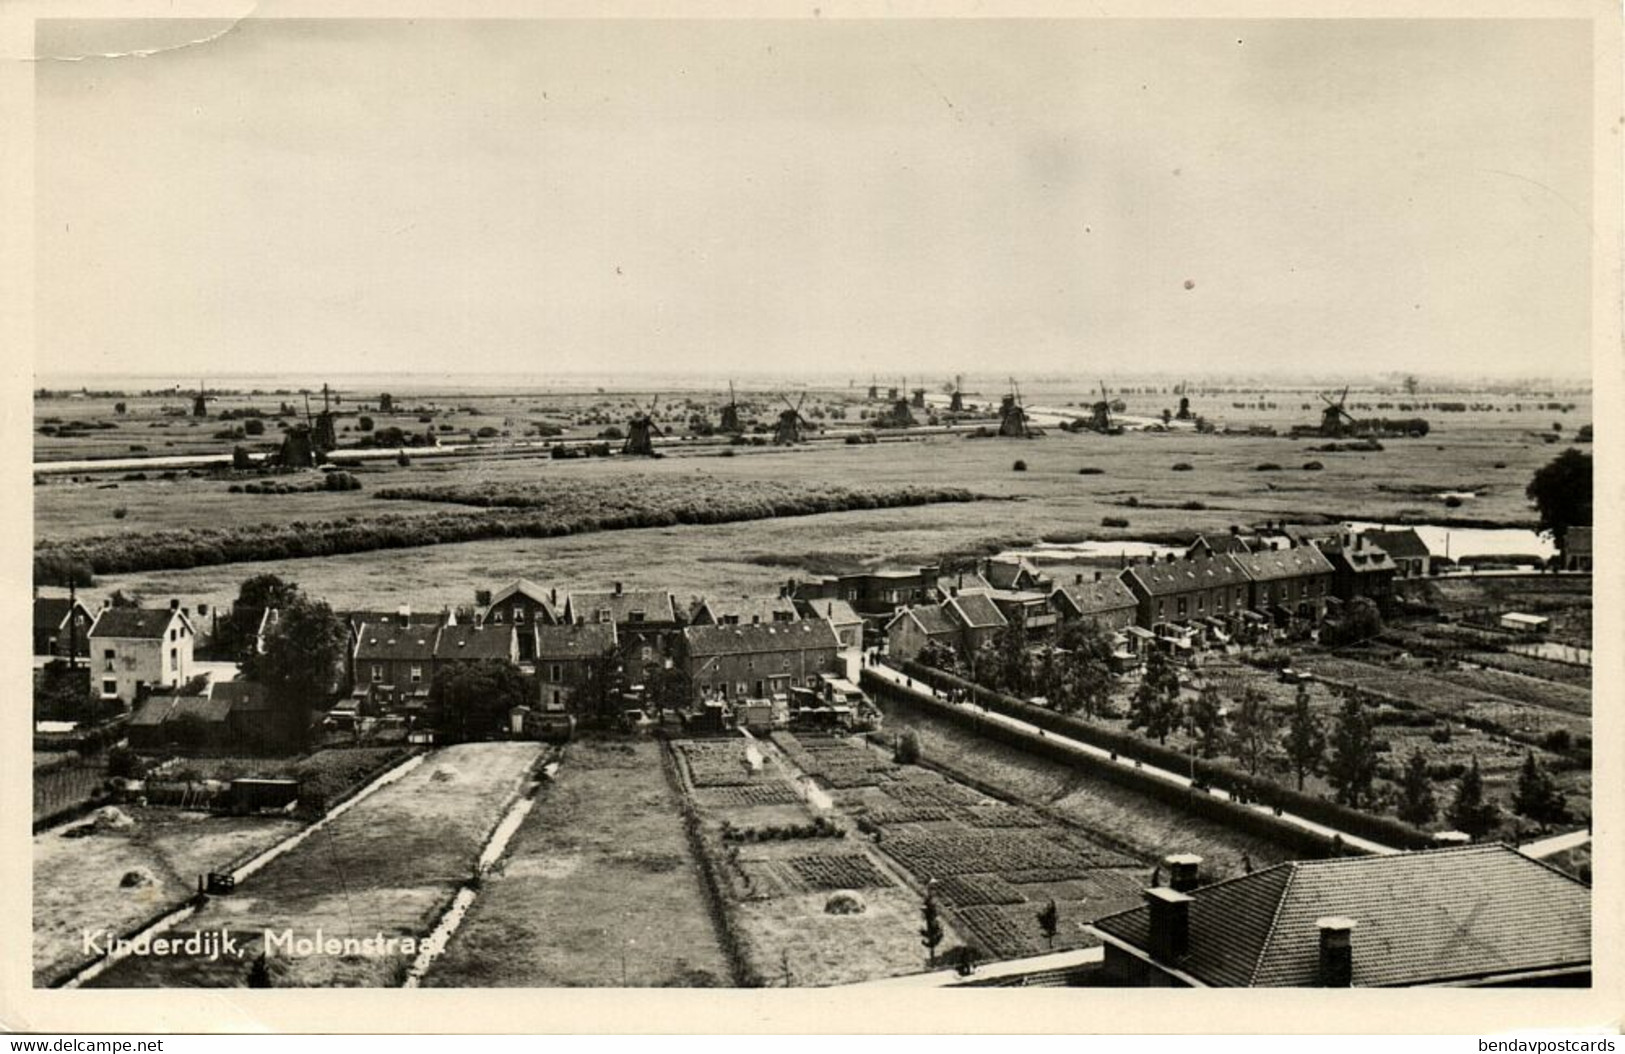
875,504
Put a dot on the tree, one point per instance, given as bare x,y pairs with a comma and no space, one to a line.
1361,621
240,459
1416,804
471,699
303,663
254,427
1207,722
931,932
266,591
907,750
1469,811
364,423
1305,741
125,599
1155,706
1561,492
60,569
234,635
1353,763
1013,666
1089,676
1253,730
1411,384
1049,922
1537,796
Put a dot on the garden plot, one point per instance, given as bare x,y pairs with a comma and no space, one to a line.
386,867
599,878
837,762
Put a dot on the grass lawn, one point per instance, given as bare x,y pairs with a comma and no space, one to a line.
599,876
77,880
388,865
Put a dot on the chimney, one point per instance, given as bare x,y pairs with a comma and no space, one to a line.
174,605
1336,951
953,591
1170,923
1184,871
617,589
405,613
1097,576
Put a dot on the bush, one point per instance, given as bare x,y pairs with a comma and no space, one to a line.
1113,521
1452,502
120,512
364,423
1312,466
1268,466
1089,470
1019,466
403,460
908,749
254,427
1193,506
1182,466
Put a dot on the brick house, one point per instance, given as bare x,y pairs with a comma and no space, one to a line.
1409,553
1288,583
848,625
57,621
574,666
760,660
1104,600
735,611
394,663
911,630
646,626
1175,590
137,650
522,603
1475,917
1360,569
476,643
978,617
874,595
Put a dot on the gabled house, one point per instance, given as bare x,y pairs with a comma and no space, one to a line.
394,664
61,626
486,642
1173,590
1102,599
1027,607
1017,575
1215,544
912,629
646,625
1360,569
875,595
962,582
759,661
1288,583
137,650
574,664
1410,554
522,603
847,624
1476,916
978,618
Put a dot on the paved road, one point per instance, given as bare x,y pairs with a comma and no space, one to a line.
1352,840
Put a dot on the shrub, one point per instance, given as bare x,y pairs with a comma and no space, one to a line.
120,512
1312,466
908,749
1019,466
1182,466
1193,506
1268,466
254,427
1113,521
1090,470
403,460
364,423
1452,502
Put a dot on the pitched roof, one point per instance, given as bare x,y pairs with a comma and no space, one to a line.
1274,564
575,640
1420,918
933,619
382,643
1006,574
748,609
153,711
1233,544
475,642
1405,544
52,612
975,610
395,618
1166,577
962,582
1092,598
763,637
526,588
138,623
243,696
1360,558
836,612
654,606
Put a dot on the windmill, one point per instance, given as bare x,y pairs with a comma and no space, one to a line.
200,401
730,413
1012,415
1334,420
1184,413
326,435
1100,417
919,399
901,416
640,430
874,388
956,399
788,430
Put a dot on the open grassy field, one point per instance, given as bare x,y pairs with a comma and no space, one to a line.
1053,501
387,866
78,882
598,879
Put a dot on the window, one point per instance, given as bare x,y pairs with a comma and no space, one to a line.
496,616
174,658
109,687
1182,603
107,653
518,614
377,673
555,672
1201,602
417,674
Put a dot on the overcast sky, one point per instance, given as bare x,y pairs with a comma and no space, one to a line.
827,196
